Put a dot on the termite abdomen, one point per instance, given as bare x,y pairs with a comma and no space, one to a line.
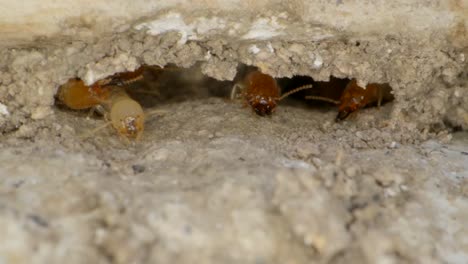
76,95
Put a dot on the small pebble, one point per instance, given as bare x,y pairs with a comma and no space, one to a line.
393,145
137,168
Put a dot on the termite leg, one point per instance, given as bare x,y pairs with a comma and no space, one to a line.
96,109
236,91
92,132
155,112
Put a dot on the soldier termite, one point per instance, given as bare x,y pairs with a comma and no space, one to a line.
261,92
355,97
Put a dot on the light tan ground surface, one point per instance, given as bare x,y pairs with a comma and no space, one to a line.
211,182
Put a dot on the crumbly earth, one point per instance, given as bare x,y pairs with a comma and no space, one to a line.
428,74
213,182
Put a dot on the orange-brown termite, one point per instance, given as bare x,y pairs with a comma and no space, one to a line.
123,113
76,95
261,92
354,97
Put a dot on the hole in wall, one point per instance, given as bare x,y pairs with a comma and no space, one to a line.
324,92
343,93
130,93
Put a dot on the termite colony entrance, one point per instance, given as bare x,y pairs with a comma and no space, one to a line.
120,99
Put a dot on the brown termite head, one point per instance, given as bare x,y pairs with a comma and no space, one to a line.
259,91
262,105
262,92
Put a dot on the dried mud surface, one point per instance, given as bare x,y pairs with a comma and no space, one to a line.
213,182
428,76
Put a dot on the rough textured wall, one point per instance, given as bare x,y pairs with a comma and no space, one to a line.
28,19
212,182
419,47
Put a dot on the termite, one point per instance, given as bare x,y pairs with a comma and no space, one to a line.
78,96
261,92
123,113
354,97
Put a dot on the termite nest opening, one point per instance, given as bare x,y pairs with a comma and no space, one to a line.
343,93
122,99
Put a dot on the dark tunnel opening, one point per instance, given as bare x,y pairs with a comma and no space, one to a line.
127,95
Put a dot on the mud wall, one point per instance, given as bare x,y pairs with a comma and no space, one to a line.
212,181
418,47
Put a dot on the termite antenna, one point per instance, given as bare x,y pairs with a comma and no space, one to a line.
92,132
321,98
129,81
155,112
117,81
304,87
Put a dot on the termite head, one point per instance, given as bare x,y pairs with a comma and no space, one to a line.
262,92
131,126
348,107
263,105
352,99
128,118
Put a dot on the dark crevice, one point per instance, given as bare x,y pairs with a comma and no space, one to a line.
151,87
